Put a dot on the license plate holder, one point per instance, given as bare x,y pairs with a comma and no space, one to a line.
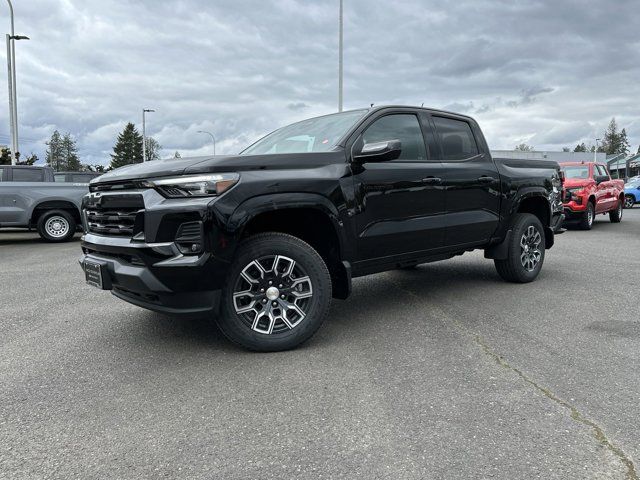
94,274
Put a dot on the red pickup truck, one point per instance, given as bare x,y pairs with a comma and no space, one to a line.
589,191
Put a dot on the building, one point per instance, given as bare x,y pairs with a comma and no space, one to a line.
623,166
557,156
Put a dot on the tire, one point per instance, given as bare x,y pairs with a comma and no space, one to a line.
586,220
616,215
629,201
268,317
56,226
525,250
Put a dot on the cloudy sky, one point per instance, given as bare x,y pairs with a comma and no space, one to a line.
549,73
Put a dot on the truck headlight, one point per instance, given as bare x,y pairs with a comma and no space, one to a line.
206,185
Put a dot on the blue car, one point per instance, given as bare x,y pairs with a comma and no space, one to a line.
631,193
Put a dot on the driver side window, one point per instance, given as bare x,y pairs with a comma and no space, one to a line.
403,127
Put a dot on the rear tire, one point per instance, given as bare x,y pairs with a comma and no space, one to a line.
586,220
56,226
616,215
276,295
526,250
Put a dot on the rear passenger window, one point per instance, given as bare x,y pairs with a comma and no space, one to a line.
456,138
403,127
2,174
60,177
28,175
80,178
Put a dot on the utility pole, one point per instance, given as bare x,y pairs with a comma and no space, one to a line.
144,133
11,77
340,58
212,138
595,152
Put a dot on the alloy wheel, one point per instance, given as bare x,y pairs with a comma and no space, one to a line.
272,294
530,253
628,202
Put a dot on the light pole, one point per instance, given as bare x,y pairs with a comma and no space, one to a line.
144,133
11,75
595,152
340,58
212,138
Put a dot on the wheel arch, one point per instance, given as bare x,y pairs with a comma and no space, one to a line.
310,217
54,204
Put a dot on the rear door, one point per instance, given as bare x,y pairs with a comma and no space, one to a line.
400,202
471,181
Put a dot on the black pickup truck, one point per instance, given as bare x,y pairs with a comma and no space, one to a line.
264,239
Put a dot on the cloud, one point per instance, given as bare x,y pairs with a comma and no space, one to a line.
549,72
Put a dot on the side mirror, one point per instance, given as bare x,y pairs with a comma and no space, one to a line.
379,151
600,178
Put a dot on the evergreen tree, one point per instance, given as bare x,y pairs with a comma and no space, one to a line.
177,154
54,155
70,153
624,144
30,160
153,149
638,149
128,147
581,147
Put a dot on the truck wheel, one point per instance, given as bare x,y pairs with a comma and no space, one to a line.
629,201
277,293
586,220
56,226
526,250
616,215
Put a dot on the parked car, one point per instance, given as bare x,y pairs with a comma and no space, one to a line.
265,238
30,198
75,177
631,193
590,191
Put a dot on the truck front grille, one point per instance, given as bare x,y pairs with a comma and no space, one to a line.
114,215
112,222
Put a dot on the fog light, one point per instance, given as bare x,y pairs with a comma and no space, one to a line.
189,238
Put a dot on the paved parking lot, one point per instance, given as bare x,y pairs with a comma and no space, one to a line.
440,372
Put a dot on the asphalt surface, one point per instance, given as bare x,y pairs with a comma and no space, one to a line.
440,372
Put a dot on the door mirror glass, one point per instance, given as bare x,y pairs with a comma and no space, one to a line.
380,151
600,178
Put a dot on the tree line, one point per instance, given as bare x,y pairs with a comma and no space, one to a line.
614,142
62,152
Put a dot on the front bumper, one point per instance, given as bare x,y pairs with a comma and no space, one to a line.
156,276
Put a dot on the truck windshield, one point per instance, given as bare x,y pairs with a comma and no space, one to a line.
579,171
318,134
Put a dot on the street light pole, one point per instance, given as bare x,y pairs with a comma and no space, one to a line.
340,58
212,138
11,75
10,83
144,133
595,152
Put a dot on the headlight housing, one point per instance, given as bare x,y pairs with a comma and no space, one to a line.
573,194
205,185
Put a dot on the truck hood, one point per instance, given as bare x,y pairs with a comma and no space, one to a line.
577,182
227,163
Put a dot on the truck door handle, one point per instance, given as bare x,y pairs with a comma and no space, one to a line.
432,180
485,179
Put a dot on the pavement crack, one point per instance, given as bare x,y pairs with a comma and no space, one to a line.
576,415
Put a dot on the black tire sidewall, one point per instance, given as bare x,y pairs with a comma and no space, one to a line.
61,213
310,261
520,225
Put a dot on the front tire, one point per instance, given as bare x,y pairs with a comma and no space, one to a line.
615,216
525,250
277,293
629,201
56,226
586,221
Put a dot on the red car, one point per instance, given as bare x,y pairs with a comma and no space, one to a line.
589,191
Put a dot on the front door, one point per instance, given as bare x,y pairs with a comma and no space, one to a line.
401,202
